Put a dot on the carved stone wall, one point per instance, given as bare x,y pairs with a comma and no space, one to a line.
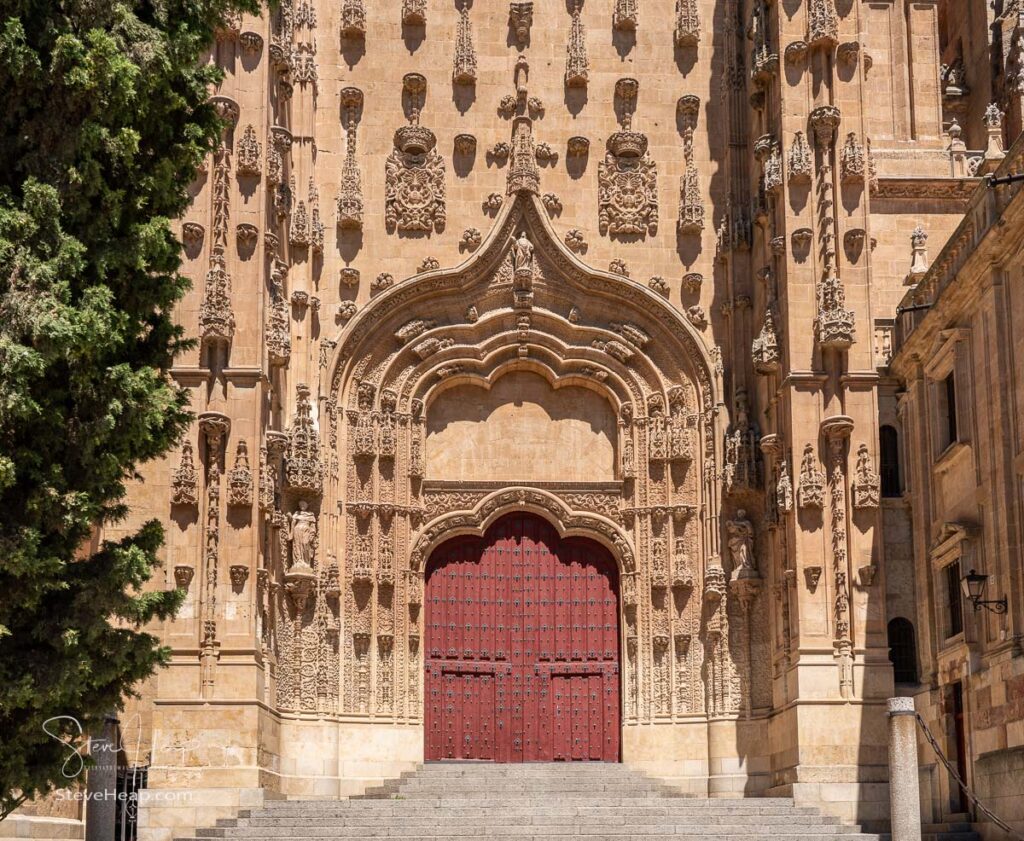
420,200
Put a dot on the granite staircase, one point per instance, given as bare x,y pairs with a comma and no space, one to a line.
536,802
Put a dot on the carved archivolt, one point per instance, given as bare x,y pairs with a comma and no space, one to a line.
568,522
659,518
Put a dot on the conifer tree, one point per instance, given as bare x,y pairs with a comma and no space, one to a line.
105,119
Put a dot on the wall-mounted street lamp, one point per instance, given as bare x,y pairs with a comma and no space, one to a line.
973,585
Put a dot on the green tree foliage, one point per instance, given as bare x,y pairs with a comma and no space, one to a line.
105,119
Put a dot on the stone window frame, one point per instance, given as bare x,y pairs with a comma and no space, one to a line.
950,356
956,543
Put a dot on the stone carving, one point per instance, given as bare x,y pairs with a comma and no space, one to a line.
698,318
240,478
764,59
414,172
192,233
811,492
429,264
796,52
353,19
492,204
628,177
691,203
552,204
239,574
822,23
575,240
852,162
247,234
837,430
465,144
507,106
523,172
800,164
993,121
740,540
784,486
577,147
771,163
216,320
742,470
184,480
834,324
346,310
384,280
687,32
520,16
471,239
500,151
867,485
464,71
183,574
626,15
278,336
692,282
766,348
919,256
348,276
824,121
472,314
545,154
659,285
303,470
813,576
577,68
350,188
249,151
618,266
414,12
302,537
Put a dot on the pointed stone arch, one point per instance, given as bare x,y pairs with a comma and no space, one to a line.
523,301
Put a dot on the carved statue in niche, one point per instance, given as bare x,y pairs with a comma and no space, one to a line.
414,173
522,254
740,540
302,537
628,177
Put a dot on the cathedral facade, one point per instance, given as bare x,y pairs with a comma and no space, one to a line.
542,354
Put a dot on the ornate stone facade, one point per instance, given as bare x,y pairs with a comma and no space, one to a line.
682,322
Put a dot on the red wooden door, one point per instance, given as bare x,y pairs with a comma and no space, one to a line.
522,647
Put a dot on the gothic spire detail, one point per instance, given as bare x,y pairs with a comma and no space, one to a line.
303,470
576,64
350,190
464,72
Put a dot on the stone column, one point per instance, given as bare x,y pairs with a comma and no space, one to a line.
904,786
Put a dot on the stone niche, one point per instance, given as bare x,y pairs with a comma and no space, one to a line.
522,429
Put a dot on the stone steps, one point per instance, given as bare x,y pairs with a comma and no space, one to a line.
542,802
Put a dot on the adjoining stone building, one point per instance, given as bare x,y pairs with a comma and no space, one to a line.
958,352
614,281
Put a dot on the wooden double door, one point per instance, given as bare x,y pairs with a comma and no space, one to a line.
522,647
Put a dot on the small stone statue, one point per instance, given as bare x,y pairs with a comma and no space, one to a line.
741,545
302,536
522,254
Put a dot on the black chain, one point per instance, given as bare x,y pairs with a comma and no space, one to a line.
963,786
